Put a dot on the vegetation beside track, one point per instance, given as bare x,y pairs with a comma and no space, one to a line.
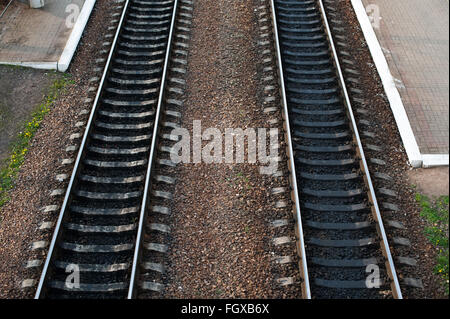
435,211
19,148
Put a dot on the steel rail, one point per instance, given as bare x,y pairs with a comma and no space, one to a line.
6,8
304,266
57,232
142,217
391,267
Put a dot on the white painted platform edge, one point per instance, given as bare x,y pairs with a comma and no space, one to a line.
71,45
75,36
432,160
395,101
35,65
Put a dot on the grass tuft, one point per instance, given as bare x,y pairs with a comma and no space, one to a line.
19,147
436,213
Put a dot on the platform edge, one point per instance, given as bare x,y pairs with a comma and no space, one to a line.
75,36
433,160
35,65
395,101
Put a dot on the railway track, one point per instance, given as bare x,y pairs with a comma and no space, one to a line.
341,234
112,231
99,235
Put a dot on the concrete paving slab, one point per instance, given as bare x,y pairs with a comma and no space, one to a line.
39,37
414,36
432,182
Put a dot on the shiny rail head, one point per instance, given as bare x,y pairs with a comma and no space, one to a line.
396,291
58,227
137,253
306,289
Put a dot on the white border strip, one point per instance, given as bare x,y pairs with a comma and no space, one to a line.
35,65
431,160
395,101
75,36
71,45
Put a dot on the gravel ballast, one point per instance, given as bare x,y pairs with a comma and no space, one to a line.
222,238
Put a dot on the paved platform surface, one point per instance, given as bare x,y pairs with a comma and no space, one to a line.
35,35
414,35
432,182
